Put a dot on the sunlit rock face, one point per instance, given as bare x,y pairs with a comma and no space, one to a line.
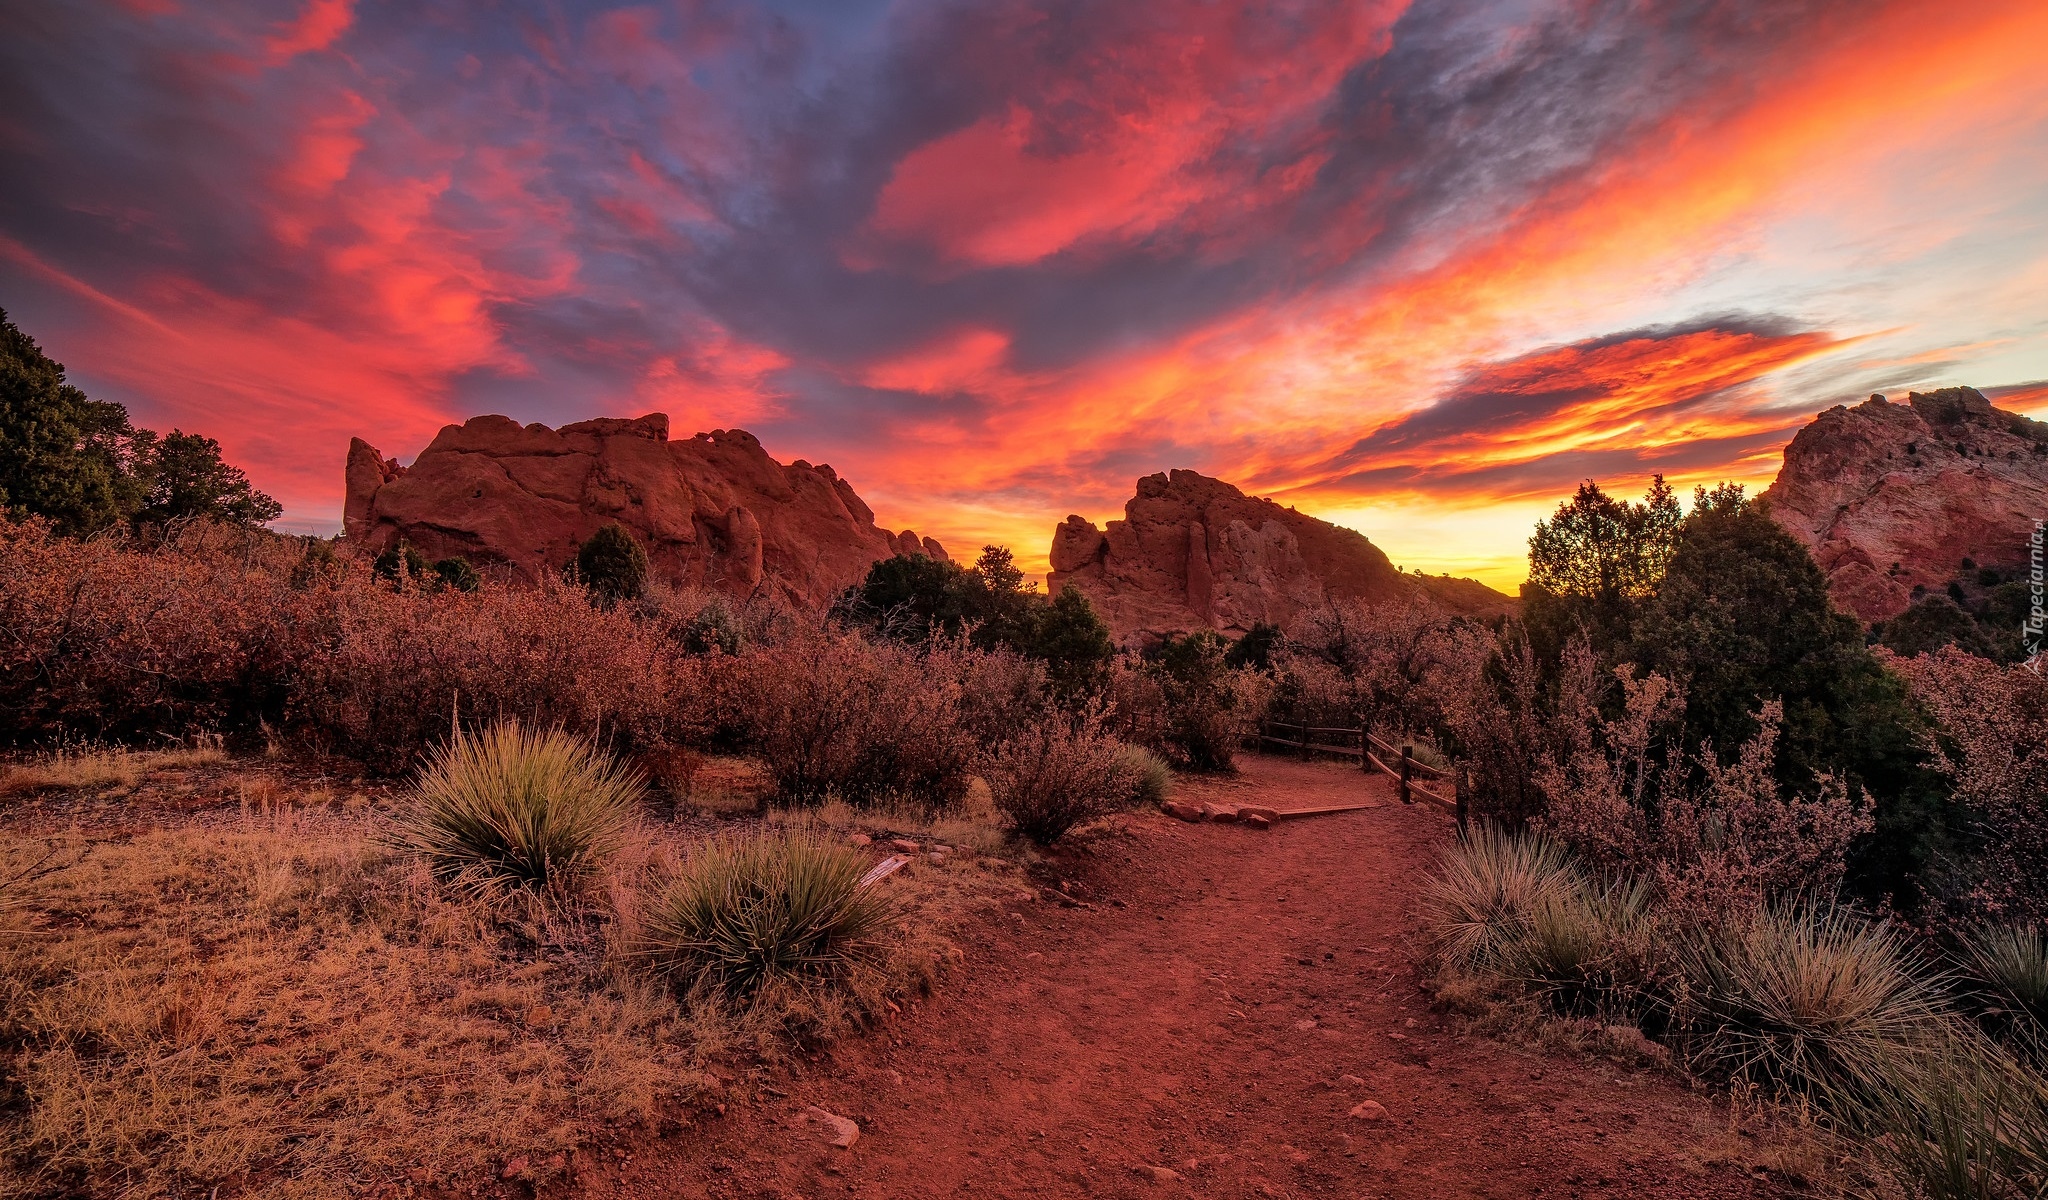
1892,497
714,511
1196,553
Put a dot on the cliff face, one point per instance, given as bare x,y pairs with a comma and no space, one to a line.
1194,552
712,511
1890,497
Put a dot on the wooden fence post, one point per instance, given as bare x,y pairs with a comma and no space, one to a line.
1407,769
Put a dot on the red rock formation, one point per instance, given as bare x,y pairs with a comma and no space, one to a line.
1194,552
712,511
1890,497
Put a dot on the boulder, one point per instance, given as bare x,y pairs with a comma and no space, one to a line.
1196,553
713,511
1892,497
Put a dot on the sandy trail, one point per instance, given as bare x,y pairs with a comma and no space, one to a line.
1200,1016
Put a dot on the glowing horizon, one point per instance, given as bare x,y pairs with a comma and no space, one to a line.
1418,270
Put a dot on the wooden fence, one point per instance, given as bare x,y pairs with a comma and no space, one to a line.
1377,754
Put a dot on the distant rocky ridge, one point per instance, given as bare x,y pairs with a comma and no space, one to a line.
1892,497
1196,553
713,511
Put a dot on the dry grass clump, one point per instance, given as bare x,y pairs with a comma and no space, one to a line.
1481,903
280,1004
784,907
70,768
512,807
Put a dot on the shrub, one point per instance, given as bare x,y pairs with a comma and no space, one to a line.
612,565
457,573
1144,778
1204,709
1055,775
1481,902
837,715
223,630
742,913
400,564
515,808
1991,741
1807,999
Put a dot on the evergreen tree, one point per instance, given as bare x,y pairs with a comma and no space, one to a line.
62,455
184,477
612,565
1743,615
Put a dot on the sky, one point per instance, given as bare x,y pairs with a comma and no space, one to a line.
1417,268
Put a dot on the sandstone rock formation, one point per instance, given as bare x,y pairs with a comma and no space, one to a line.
1196,553
712,511
1892,497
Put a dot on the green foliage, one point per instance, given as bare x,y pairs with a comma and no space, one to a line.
1743,614
714,628
62,455
1931,623
1255,649
743,913
912,597
399,562
1198,701
184,479
915,598
81,463
458,574
612,565
1595,561
319,565
511,808
1072,642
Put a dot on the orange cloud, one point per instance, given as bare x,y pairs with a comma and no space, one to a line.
1135,135
965,360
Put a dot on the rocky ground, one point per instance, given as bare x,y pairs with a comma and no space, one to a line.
1226,1012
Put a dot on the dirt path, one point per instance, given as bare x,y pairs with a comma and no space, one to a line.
1206,1026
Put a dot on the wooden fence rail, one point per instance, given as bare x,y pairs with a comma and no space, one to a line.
1398,761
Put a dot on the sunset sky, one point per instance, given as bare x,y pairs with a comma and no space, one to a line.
1416,268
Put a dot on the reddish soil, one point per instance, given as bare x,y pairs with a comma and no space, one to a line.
1199,1015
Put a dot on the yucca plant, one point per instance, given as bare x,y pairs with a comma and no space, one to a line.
518,808
743,912
1481,902
1144,776
1963,1122
1585,947
1809,999
2009,965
